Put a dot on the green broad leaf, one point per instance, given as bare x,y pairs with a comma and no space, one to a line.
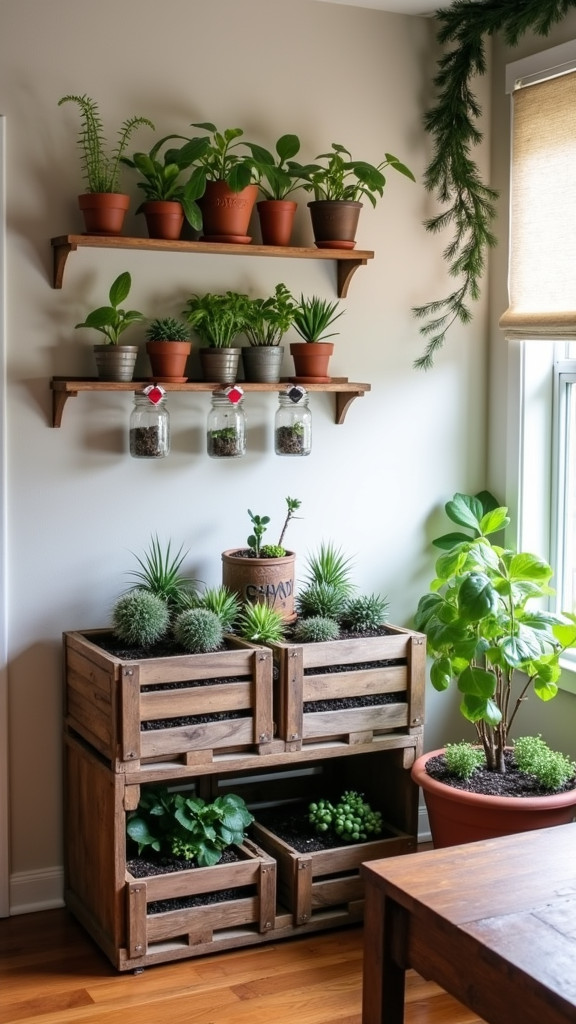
287,146
565,634
450,564
450,540
477,682
119,288
477,598
540,620
545,670
478,709
465,650
441,674
138,830
465,510
104,316
427,606
519,649
485,555
529,567
544,689
495,520
207,855
488,501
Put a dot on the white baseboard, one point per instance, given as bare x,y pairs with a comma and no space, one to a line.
31,891
424,834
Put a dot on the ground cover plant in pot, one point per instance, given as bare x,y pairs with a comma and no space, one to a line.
339,184
489,633
114,360
104,204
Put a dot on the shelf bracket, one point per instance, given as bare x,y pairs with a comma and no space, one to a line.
345,270
61,251
344,400
59,399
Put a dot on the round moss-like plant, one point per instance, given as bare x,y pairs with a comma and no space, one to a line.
223,602
198,630
366,612
316,630
468,204
140,618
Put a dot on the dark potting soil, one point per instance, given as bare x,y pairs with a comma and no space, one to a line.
146,866
512,782
292,825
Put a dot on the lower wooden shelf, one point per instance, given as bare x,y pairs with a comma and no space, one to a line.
63,388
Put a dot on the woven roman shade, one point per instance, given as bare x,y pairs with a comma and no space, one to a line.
542,274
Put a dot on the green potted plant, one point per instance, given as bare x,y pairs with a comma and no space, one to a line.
114,361
312,318
218,320
263,573
168,199
225,178
489,634
338,185
168,346
103,204
278,176
266,323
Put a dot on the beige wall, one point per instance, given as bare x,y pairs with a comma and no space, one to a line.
77,504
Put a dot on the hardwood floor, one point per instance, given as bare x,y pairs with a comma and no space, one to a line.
52,973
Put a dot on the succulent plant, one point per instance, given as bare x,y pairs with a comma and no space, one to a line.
198,630
323,599
366,613
140,618
261,624
167,328
160,574
316,629
223,602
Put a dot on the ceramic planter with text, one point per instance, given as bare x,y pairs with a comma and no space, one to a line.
103,205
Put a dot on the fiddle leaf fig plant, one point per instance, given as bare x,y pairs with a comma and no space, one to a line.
487,626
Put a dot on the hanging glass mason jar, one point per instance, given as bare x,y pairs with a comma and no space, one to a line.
226,426
150,424
293,423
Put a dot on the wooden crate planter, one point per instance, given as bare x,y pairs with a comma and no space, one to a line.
110,704
189,929
391,664
311,883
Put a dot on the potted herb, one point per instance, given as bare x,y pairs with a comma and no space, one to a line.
225,178
338,185
263,573
168,199
103,204
278,176
490,635
218,320
266,323
168,346
114,361
312,318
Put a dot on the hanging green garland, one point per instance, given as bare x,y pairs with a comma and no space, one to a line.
452,174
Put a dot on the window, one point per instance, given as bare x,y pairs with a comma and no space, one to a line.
540,323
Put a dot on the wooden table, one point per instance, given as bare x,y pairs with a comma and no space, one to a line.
493,923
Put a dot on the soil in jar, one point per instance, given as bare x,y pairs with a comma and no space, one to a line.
290,440
224,444
146,443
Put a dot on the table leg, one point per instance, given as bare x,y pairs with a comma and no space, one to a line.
383,973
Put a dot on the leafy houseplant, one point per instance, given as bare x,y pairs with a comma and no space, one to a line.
112,321
485,627
101,165
168,346
342,180
278,176
312,318
218,320
266,323
162,184
224,178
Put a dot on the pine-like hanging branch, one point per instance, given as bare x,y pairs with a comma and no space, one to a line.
453,124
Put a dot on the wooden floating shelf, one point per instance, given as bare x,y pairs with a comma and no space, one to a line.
63,388
347,260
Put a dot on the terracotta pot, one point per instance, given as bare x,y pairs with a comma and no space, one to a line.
115,362
164,219
457,816
262,363
262,580
334,223
220,364
168,360
276,218
104,212
226,214
311,361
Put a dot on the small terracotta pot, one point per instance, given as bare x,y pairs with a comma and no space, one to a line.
168,360
104,212
457,816
311,361
226,214
276,218
262,580
164,219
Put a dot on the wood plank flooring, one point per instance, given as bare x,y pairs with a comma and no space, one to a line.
52,973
